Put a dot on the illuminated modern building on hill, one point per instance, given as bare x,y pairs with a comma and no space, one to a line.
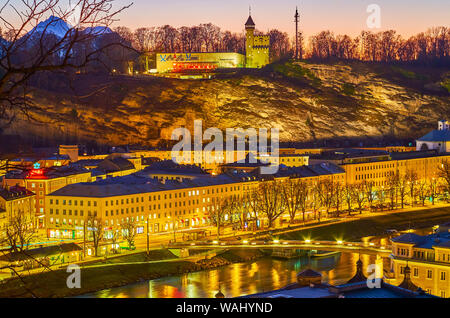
256,56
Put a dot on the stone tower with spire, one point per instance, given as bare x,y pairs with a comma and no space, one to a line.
256,46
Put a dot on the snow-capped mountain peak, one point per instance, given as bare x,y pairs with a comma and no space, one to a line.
98,30
53,25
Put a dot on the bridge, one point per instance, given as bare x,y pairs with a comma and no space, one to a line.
338,246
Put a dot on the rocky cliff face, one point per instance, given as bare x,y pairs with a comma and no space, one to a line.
305,101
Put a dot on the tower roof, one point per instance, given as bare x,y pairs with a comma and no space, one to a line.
249,22
407,283
309,273
359,276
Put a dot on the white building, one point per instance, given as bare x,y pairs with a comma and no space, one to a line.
438,139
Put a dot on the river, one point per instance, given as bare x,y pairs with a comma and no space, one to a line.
247,278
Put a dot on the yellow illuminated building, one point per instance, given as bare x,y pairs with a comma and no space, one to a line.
256,56
167,201
428,258
256,47
41,182
163,205
378,171
14,201
197,62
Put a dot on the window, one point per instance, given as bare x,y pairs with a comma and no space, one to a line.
442,275
429,274
416,272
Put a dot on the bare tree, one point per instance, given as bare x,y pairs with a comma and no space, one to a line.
326,191
115,236
369,189
239,208
422,191
348,196
393,180
432,188
339,197
444,173
359,196
19,232
220,208
381,196
402,189
129,231
294,193
411,181
95,227
267,200
31,47
315,201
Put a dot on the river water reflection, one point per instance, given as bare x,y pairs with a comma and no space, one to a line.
247,278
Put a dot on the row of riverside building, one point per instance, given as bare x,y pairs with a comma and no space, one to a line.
146,186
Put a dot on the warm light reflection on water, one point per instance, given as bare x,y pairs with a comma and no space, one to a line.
241,279
247,278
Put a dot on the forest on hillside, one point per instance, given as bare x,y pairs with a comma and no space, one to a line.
386,46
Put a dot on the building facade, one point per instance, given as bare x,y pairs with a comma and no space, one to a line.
42,181
165,200
256,47
428,258
16,201
257,55
438,139
197,62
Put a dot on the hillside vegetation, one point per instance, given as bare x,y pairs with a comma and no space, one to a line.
307,101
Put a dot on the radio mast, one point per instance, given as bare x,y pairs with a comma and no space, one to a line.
297,19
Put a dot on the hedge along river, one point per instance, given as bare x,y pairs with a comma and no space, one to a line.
248,278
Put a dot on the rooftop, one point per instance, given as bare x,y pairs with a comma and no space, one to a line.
250,21
415,155
14,193
170,167
352,290
137,184
436,135
41,252
115,164
350,153
48,173
440,239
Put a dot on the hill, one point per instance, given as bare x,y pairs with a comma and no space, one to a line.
307,101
